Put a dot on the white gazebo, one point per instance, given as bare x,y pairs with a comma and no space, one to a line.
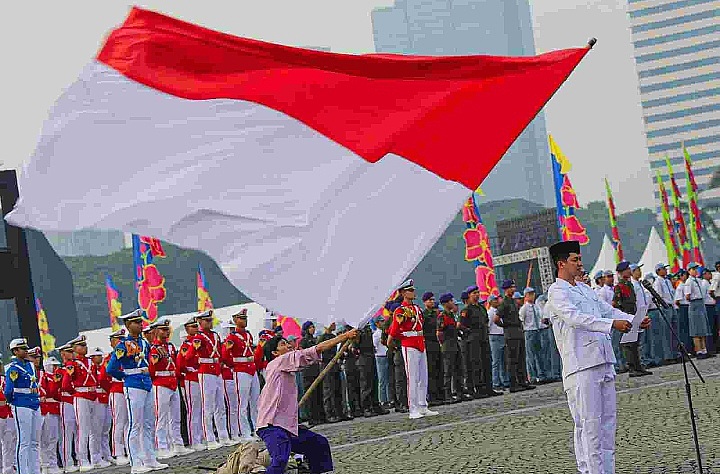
605,259
655,252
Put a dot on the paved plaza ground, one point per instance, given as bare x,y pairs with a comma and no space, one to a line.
527,432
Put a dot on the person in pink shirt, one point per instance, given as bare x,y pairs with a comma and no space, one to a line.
278,406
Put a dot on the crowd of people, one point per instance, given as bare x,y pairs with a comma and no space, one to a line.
144,400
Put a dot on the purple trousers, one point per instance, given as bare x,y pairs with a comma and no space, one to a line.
280,443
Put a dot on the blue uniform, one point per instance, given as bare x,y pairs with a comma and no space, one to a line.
129,363
21,384
21,391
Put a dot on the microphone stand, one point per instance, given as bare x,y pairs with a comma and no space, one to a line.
660,303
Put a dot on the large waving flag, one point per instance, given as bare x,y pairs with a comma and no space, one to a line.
329,145
204,302
150,283
565,197
113,301
695,221
477,249
680,229
668,228
619,255
47,340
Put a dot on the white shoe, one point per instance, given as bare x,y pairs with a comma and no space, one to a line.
426,412
122,461
86,468
140,469
227,442
248,439
415,416
164,454
156,466
102,464
198,447
72,469
182,451
214,445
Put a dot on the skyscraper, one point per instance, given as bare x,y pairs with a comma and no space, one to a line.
677,55
461,27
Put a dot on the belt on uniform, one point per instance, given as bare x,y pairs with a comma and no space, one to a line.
412,333
190,369
205,360
51,400
240,360
85,389
138,370
3,403
65,394
26,391
116,380
165,373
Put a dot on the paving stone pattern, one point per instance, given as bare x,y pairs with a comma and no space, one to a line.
527,432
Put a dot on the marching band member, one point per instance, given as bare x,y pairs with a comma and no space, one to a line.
68,422
238,353
118,407
7,429
128,363
230,390
206,345
163,372
188,365
103,418
50,383
21,391
79,379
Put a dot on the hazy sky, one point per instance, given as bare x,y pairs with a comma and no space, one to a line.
595,117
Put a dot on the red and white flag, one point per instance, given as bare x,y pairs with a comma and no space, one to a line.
316,180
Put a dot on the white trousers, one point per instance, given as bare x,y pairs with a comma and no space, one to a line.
141,426
88,430
167,418
7,445
49,437
213,407
248,392
27,451
592,401
231,402
105,424
119,415
193,407
68,433
417,378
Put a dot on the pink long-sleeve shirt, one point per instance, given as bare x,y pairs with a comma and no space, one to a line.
278,403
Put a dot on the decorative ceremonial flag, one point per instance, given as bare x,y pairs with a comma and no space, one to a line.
113,301
568,224
477,249
150,283
670,243
619,256
328,146
204,303
47,341
680,229
695,221
290,325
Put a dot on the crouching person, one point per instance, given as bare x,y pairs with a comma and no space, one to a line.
278,406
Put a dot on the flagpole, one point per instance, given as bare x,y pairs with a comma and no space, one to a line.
324,372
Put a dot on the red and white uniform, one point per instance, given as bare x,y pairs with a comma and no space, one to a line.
231,401
188,365
68,421
238,352
7,433
104,415
206,345
80,380
49,389
408,329
164,374
118,413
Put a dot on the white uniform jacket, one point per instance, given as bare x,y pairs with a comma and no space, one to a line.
582,323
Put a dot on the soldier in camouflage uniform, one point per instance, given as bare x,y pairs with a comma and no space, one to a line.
398,378
432,348
368,374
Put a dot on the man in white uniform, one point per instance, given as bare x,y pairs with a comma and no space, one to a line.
582,323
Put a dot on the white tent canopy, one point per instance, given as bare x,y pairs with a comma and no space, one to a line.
606,258
257,321
654,253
